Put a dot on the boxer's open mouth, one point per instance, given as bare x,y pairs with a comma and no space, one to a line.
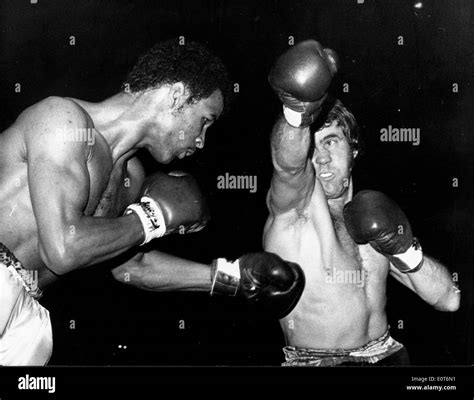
326,176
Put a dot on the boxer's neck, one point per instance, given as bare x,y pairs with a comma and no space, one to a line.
123,119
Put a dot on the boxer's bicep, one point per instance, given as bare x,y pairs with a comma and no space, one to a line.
58,179
58,194
290,190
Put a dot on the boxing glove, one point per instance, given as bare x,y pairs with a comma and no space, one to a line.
170,203
264,279
372,217
301,77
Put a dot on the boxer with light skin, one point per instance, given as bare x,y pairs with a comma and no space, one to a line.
70,204
316,221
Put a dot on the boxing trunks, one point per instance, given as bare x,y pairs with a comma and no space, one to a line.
374,352
25,326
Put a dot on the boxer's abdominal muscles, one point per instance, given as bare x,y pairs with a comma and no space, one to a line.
344,298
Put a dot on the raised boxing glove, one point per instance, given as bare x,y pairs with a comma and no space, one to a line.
372,217
301,77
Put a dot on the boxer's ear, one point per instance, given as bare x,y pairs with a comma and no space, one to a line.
177,95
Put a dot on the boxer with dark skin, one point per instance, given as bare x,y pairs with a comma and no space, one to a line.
73,195
318,222
62,199
68,172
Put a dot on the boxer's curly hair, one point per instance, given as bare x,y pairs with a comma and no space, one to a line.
336,111
169,62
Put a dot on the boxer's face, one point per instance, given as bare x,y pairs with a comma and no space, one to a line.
187,126
332,160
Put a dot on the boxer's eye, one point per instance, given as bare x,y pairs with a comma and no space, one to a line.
330,142
207,121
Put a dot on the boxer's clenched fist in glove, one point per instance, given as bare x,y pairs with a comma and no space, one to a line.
170,203
301,77
372,217
267,281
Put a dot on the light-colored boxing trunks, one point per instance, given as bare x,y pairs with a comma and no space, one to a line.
371,353
25,327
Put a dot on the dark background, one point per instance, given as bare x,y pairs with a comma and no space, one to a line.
403,86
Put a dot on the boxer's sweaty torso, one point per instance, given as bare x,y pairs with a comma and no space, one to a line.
343,304
112,188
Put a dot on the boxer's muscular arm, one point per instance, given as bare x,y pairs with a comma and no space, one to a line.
160,272
293,173
433,283
58,181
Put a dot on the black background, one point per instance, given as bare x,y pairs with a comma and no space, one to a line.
403,86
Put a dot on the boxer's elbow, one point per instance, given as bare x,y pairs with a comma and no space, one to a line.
57,256
131,272
124,274
454,303
449,303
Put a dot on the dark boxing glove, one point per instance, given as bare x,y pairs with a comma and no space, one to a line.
170,203
264,279
301,77
372,217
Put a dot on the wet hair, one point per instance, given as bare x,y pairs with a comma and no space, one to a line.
334,110
193,64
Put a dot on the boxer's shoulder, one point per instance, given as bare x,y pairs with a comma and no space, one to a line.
53,110
55,123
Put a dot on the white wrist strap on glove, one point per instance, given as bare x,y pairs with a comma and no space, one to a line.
151,217
225,277
412,258
294,118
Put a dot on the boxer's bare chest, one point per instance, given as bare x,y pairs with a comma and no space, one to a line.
344,297
109,196
112,186
339,272
344,270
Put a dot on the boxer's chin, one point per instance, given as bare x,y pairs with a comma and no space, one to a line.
167,159
333,190
159,157
163,161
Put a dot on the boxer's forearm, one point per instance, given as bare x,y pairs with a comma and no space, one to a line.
433,283
160,272
289,146
89,241
293,176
